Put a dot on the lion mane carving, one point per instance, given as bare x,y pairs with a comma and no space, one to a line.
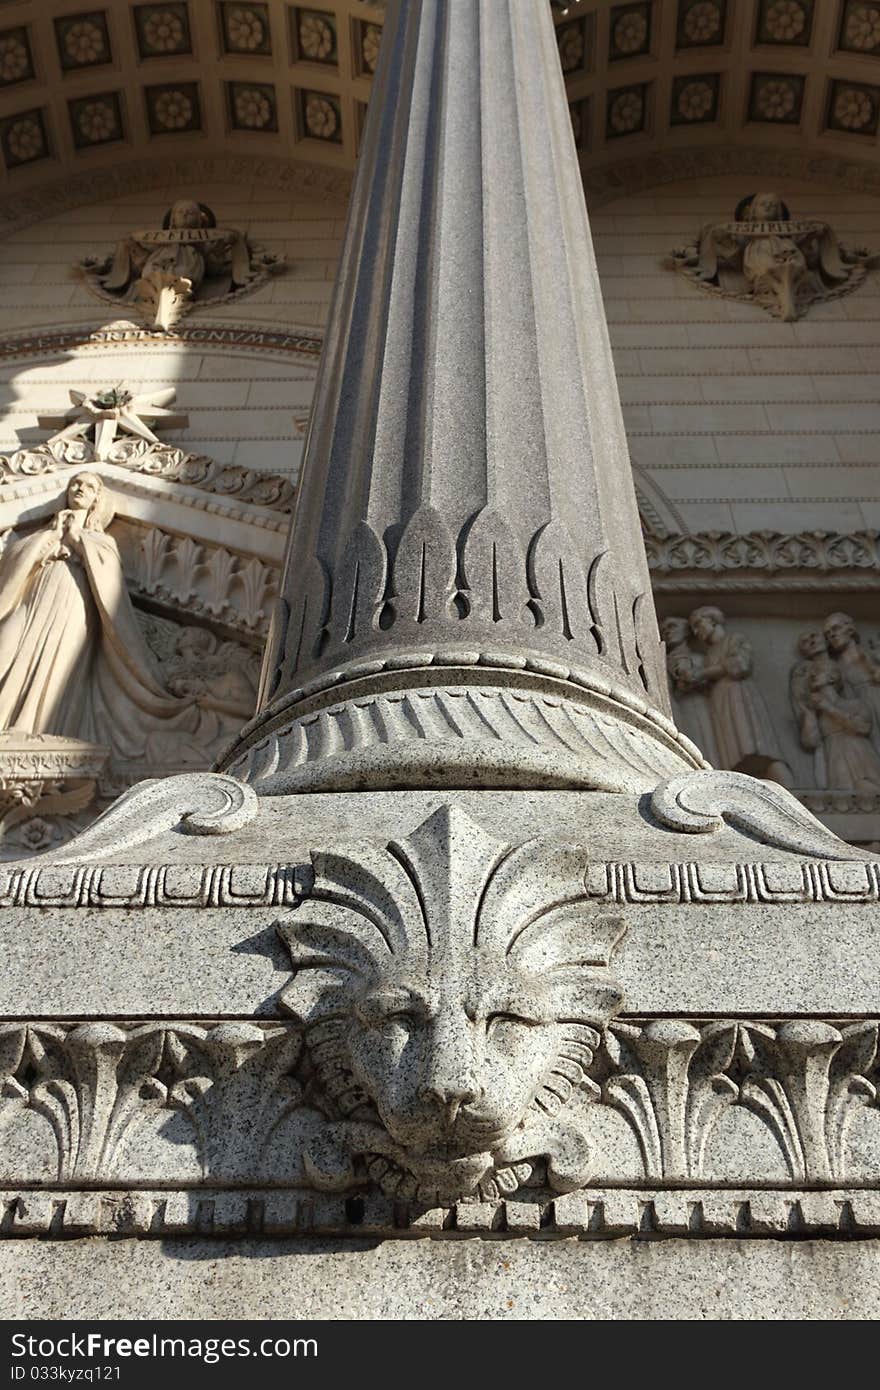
452,989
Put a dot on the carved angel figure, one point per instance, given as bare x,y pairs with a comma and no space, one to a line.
741,724
765,255
190,259
73,659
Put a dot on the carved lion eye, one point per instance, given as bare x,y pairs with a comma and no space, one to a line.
499,1026
401,1018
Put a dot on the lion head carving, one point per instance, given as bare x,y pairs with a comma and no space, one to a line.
452,989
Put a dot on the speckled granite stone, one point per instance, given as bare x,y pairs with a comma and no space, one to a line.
465,1279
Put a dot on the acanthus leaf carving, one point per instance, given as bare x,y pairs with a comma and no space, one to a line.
221,1102
494,571
669,1080
228,1072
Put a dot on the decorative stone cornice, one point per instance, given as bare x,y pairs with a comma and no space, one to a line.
620,179
760,559
628,883
136,176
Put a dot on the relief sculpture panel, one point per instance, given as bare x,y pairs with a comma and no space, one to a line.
797,704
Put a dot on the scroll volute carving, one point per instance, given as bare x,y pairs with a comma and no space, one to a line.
453,990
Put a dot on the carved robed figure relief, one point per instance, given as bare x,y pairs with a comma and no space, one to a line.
835,698
73,658
712,673
780,263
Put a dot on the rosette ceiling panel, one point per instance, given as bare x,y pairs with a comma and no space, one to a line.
160,80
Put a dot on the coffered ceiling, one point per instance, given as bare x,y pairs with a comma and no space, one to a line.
662,73
90,88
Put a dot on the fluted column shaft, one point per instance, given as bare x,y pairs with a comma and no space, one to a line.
466,504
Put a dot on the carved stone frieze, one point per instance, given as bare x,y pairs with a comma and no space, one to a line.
271,490
835,698
209,581
722,708
189,261
756,559
766,257
705,1105
42,775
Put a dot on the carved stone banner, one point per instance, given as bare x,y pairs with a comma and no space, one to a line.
766,257
163,273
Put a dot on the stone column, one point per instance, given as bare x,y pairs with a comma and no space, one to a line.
466,599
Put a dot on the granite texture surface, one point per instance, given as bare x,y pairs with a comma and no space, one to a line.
468,1279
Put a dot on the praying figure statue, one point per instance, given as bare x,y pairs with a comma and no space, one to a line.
780,263
73,658
189,259
741,724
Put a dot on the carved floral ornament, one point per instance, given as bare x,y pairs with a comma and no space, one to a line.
675,1099
455,1031
764,256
